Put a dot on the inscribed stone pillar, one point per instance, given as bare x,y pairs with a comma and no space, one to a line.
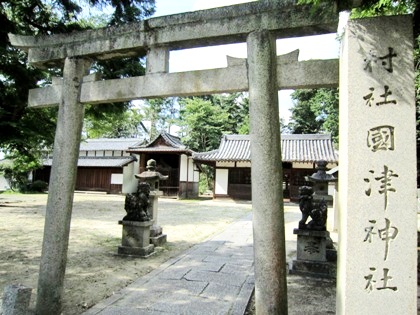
61,189
377,260
267,193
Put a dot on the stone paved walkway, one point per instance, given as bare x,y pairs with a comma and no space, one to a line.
214,277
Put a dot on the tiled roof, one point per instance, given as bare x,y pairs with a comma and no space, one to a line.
173,140
232,148
99,162
295,148
105,144
164,142
308,148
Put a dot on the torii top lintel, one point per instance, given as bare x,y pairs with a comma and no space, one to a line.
186,30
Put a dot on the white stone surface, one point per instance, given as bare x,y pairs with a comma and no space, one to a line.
377,266
221,181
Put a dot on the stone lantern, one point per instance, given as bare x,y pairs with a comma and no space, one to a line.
152,177
320,181
313,240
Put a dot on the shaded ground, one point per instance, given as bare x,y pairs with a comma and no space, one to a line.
306,296
93,270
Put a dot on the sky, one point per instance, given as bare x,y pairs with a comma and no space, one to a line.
313,47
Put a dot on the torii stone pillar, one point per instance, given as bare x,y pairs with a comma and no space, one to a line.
60,195
267,192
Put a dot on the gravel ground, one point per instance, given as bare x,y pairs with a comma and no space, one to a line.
94,271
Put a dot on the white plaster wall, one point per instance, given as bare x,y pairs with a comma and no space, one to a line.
91,153
331,165
196,176
117,179
221,185
192,170
183,168
302,165
100,153
225,164
3,183
129,181
311,165
108,153
188,169
243,164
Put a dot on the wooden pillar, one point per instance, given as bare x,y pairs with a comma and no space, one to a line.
61,189
267,179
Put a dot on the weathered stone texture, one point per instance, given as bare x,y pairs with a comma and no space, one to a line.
291,73
377,261
16,298
61,189
267,193
208,27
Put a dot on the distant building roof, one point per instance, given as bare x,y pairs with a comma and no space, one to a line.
295,148
164,143
105,144
232,148
99,161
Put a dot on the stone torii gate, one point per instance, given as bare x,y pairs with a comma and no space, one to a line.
262,74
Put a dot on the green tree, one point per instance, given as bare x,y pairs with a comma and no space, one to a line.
203,124
162,113
306,115
371,8
23,131
315,111
236,105
128,124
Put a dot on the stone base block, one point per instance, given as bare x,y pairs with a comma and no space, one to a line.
158,240
312,245
136,239
314,268
155,231
143,252
16,299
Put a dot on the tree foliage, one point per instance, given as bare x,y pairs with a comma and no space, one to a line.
315,111
204,120
128,124
236,105
162,113
23,131
371,8
203,124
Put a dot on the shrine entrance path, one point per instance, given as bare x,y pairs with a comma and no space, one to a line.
217,277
